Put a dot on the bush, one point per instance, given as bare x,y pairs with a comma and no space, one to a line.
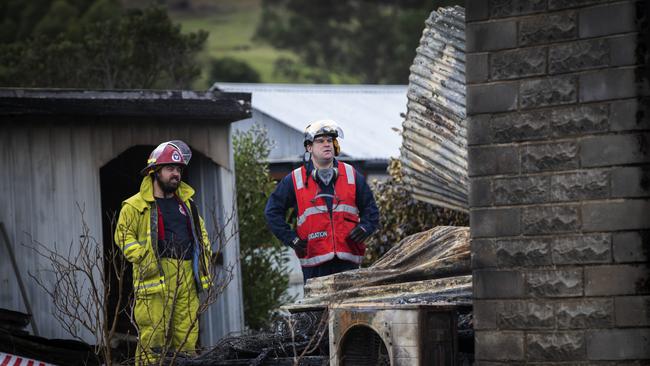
104,47
400,215
264,266
228,69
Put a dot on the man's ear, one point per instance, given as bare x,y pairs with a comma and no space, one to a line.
309,147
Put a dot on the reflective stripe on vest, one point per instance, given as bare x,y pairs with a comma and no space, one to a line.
350,257
311,211
346,208
323,210
308,262
349,173
297,174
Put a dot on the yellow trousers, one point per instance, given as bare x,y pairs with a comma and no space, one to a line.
167,320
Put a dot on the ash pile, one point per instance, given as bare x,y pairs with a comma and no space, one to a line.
429,268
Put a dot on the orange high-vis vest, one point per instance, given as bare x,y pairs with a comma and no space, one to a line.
326,234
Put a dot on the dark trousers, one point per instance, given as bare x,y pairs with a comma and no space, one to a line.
336,265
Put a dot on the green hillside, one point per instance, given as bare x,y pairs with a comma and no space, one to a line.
231,24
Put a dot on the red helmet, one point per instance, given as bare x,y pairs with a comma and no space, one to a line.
174,152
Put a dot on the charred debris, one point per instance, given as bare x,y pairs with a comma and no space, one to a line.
418,293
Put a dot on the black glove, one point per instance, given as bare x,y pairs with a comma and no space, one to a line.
358,234
299,245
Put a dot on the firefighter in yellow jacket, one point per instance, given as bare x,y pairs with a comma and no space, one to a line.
161,234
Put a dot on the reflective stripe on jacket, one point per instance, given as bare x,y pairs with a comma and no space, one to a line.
136,234
327,232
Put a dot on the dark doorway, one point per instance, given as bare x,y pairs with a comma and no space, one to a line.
363,346
120,179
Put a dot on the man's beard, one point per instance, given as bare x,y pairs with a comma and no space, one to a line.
169,186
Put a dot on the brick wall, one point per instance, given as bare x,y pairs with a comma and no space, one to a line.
559,164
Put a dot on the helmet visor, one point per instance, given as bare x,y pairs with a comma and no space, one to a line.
330,130
183,148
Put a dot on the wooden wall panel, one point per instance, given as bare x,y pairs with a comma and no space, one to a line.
235,316
8,218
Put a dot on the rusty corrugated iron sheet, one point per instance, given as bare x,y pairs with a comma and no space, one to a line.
428,267
434,145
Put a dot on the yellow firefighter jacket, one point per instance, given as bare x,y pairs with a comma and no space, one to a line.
136,235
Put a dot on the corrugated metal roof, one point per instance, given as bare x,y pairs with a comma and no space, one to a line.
434,150
369,114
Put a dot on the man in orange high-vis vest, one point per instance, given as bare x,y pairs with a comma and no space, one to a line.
335,208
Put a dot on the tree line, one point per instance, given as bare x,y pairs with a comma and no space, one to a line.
94,44
358,41
102,44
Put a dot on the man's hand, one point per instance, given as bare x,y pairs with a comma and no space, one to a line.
358,234
299,245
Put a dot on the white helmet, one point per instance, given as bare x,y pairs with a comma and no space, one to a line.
322,127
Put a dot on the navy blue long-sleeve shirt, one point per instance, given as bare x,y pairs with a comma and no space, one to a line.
284,197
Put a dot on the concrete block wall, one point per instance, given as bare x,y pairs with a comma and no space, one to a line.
559,165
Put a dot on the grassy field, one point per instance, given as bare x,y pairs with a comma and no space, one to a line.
231,24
